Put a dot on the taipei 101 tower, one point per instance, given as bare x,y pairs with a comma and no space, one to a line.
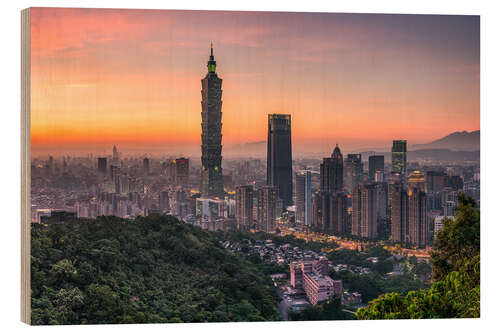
211,132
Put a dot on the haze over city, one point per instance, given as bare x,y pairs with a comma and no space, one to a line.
132,78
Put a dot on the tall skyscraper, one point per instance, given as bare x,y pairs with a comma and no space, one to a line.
268,207
145,166
321,211
244,207
332,172
211,134
375,163
353,171
102,165
338,214
399,156
418,229
366,210
279,155
398,202
115,156
303,198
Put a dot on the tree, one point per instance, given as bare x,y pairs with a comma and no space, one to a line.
459,240
150,269
456,272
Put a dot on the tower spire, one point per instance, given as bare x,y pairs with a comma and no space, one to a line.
211,62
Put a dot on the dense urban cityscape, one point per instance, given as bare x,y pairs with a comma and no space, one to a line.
353,201
362,197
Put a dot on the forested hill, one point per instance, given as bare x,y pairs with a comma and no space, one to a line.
153,269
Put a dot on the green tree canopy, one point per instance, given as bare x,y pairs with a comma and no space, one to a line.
152,269
456,272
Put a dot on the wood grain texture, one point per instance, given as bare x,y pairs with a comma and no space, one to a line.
25,167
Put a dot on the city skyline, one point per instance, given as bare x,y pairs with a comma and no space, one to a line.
134,85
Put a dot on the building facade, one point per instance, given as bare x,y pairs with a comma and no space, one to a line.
353,172
418,230
312,277
211,132
332,172
102,166
398,154
338,214
244,207
303,198
279,156
321,211
398,202
375,163
367,210
268,207
182,171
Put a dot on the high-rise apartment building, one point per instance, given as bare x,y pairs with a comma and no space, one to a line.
409,220
353,172
303,198
332,172
211,132
375,163
244,207
279,155
399,156
418,230
366,209
338,214
398,202
268,208
321,211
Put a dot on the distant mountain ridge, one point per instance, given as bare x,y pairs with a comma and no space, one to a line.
464,141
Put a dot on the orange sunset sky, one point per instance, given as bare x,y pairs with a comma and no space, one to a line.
132,78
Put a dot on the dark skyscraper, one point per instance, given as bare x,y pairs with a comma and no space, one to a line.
211,132
332,172
398,202
321,211
303,198
338,214
399,156
102,165
417,217
417,210
145,166
279,156
353,171
375,163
